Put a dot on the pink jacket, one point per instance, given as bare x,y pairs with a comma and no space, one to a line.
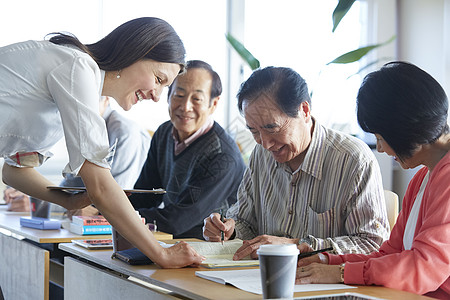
425,269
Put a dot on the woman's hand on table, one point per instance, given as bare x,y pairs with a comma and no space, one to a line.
179,255
318,273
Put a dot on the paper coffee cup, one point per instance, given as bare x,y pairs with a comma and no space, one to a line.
278,264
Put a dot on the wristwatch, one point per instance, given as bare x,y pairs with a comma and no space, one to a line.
306,240
341,270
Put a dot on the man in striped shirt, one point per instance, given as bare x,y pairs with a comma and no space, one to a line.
305,183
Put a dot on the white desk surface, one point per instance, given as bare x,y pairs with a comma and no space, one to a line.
184,282
11,222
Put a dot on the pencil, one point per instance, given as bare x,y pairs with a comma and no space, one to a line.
307,254
221,232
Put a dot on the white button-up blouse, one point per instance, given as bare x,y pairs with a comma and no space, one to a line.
48,90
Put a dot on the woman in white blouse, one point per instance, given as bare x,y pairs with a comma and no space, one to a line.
52,88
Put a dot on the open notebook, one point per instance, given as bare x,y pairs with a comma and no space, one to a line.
217,255
221,256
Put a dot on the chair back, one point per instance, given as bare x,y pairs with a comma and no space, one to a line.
391,200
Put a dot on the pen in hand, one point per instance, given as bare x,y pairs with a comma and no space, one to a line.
307,254
221,232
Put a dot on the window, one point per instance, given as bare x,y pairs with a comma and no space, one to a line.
201,24
298,34
293,33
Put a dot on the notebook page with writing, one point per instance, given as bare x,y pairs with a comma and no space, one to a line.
219,256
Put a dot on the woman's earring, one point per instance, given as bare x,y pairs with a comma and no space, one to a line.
118,74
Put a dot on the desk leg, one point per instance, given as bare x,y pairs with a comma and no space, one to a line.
101,284
24,271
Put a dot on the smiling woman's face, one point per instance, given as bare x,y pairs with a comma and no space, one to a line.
406,163
145,79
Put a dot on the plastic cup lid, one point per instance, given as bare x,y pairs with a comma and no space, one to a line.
282,250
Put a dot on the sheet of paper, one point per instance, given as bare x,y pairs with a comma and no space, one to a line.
250,281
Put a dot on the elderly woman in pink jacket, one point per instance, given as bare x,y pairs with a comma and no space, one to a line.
407,111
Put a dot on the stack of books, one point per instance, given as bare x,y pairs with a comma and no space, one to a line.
85,225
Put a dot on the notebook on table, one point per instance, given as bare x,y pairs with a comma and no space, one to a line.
125,251
72,189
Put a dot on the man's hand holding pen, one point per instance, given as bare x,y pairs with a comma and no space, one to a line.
213,227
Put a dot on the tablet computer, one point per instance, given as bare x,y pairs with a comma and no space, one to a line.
72,189
341,296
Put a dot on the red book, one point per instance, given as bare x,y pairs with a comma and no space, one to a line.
89,220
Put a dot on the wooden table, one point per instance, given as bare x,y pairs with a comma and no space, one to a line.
108,278
27,256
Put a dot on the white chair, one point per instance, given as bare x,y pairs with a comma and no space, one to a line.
391,200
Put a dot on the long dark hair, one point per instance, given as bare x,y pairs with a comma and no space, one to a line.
142,38
405,105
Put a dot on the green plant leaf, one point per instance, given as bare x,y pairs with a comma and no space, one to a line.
368,66
243,52
340,11
357,54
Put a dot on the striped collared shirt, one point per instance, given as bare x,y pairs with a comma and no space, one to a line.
334,199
